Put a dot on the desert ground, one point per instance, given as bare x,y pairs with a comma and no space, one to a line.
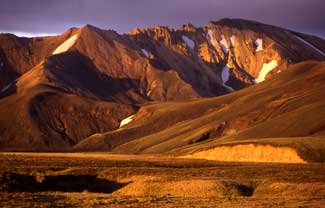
112,180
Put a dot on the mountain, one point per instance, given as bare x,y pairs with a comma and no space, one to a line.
287,110
74,91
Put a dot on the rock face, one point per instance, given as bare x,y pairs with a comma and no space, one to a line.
56,91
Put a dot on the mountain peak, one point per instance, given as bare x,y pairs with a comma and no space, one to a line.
118,72
189,27
89,27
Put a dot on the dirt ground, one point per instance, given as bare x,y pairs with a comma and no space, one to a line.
106,180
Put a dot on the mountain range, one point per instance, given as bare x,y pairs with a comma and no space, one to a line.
164,90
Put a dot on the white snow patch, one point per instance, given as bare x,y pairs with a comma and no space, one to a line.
233,40
229,88
225,77
5,88
145,52
224,44
212,39
259,44
267,67
66,45
126,120
210,33
310,45
190,43
225,74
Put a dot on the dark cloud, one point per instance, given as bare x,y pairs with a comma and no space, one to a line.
55,16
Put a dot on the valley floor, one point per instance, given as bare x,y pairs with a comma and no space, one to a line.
106,180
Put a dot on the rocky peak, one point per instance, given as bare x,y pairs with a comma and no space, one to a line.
158,33
189,27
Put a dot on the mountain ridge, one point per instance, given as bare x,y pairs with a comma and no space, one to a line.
57,92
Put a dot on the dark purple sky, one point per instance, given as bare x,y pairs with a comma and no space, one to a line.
55,16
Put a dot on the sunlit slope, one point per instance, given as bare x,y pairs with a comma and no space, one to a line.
290,106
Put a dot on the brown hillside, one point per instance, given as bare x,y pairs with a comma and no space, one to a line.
76,89
290,105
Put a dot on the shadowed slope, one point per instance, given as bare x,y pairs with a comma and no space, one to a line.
56,111
57,91
289,105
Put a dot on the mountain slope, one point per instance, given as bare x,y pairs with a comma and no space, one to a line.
58,103
210,60
290,105
57,91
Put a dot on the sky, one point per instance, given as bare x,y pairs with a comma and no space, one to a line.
49,17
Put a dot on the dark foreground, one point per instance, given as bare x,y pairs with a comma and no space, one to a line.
104,180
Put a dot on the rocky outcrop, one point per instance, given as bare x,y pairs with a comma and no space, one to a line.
56,91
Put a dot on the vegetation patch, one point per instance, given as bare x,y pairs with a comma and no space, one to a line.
234,189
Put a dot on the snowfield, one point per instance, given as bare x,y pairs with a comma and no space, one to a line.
225,74
224,44
259,45
267,67
149,93
66,45
126,120
233,40
190,43
212,40
6,87
310,45
225,77
145,52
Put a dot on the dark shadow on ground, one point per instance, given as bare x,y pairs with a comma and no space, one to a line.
13,182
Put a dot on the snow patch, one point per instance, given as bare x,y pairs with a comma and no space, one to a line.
310,45
210,33
267,67
225,74
259,44
66,45
225,77
5,88
190,43
233,40
126,120
224,44
212,39
145,52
